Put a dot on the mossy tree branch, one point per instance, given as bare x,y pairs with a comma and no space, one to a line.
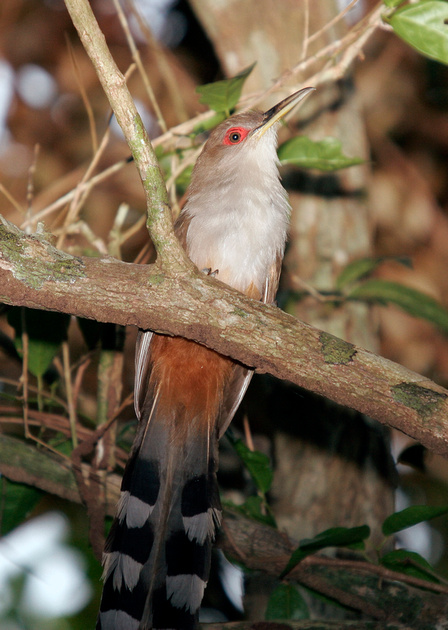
182,301
174,298
35,274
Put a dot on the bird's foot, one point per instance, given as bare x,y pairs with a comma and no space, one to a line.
208,272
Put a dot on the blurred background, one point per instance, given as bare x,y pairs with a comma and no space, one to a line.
390,108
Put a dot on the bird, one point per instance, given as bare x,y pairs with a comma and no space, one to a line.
233,225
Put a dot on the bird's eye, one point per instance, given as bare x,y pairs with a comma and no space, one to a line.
235,135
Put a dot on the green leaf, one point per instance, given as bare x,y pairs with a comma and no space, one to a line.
363,267
411,516
183,180
60,443
286,603
410,563
46,331
255,508
222,96
258,465
392,3
325,155
423,27
410,300
334,537
17,502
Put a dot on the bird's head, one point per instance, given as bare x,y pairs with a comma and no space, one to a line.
244,140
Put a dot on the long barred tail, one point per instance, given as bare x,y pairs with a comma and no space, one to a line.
157,557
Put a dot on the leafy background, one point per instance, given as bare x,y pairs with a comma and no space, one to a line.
51,97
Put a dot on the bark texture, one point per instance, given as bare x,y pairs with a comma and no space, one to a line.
35,274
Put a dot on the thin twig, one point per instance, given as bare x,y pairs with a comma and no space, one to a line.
41,419
299,283
306,29
165,66
79,377
363,30
67,198
24,377
69,392
138,61
136,227
332,22
81,227
11,199
82,192
50,396
84,96
159,219
30,185
248,433
376,569
352,44
115,238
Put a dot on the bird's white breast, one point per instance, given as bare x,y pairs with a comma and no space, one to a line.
238,226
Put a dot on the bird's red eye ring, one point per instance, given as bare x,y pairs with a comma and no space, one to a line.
235,135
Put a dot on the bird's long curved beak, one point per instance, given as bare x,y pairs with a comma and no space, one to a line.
280,110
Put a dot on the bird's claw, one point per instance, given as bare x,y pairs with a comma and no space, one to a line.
208,272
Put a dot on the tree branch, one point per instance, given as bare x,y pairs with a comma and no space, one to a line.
369,588
179,301
159,218
321,624
35,274
372,589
